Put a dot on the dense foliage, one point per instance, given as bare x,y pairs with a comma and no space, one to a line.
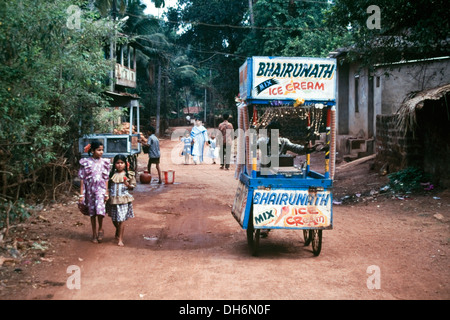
407,29
53,75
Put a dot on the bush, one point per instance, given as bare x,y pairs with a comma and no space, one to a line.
408,180
17,212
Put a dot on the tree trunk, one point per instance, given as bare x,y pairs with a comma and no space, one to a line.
250,6
158,102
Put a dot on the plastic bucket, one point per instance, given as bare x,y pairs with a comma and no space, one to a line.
169,176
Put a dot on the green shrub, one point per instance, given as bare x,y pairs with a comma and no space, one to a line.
408,180
18,212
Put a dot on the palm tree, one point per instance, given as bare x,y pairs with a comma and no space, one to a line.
152,45
153,50
184,75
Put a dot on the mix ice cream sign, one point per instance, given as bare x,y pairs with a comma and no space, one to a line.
291,209
283,78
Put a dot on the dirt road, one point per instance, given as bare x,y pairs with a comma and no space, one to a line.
185,244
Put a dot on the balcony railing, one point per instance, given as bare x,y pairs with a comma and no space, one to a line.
125,76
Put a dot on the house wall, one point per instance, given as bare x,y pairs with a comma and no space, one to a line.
399,80
352,105
391,84
395,150
427,148
342,99
358,100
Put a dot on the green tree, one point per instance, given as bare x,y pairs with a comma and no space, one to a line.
108,7
52,68
152,61
212,32
407,29
289,28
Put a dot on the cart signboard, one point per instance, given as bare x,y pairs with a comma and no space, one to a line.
288,78
291,209
240,203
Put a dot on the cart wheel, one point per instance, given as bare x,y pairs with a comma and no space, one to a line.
307,237
253,239
316,241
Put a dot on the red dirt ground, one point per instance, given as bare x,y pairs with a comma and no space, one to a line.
185,244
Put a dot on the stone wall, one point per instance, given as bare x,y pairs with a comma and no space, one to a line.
428,148
395,150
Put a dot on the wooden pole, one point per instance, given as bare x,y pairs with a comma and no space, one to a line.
333,142
327,152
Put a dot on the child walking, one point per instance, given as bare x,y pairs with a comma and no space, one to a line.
212,152
120,207
93,174
154,152
187,146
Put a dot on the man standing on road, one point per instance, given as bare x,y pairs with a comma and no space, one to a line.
226,129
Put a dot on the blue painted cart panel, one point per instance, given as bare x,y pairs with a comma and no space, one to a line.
280,202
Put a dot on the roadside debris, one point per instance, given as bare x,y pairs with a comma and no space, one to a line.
384,191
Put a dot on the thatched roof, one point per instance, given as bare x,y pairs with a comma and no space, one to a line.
407,111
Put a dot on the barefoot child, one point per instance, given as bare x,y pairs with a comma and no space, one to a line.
212,152
93,176
154,152
120,207
187,146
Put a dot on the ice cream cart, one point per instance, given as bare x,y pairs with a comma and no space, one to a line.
272,191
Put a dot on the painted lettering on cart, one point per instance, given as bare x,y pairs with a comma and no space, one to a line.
310,221
290,198
293,86
295,70
266,216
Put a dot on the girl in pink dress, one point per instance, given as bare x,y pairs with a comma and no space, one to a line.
94,176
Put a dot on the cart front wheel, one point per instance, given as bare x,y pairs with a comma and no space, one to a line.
316,241
307,237
253,236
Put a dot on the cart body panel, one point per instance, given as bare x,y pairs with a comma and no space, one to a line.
281,202
113,144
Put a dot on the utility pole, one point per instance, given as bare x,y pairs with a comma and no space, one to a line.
112,46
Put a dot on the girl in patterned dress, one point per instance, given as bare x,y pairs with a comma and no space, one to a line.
93,174
120,207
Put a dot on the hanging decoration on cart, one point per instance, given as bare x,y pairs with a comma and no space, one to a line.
293,121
